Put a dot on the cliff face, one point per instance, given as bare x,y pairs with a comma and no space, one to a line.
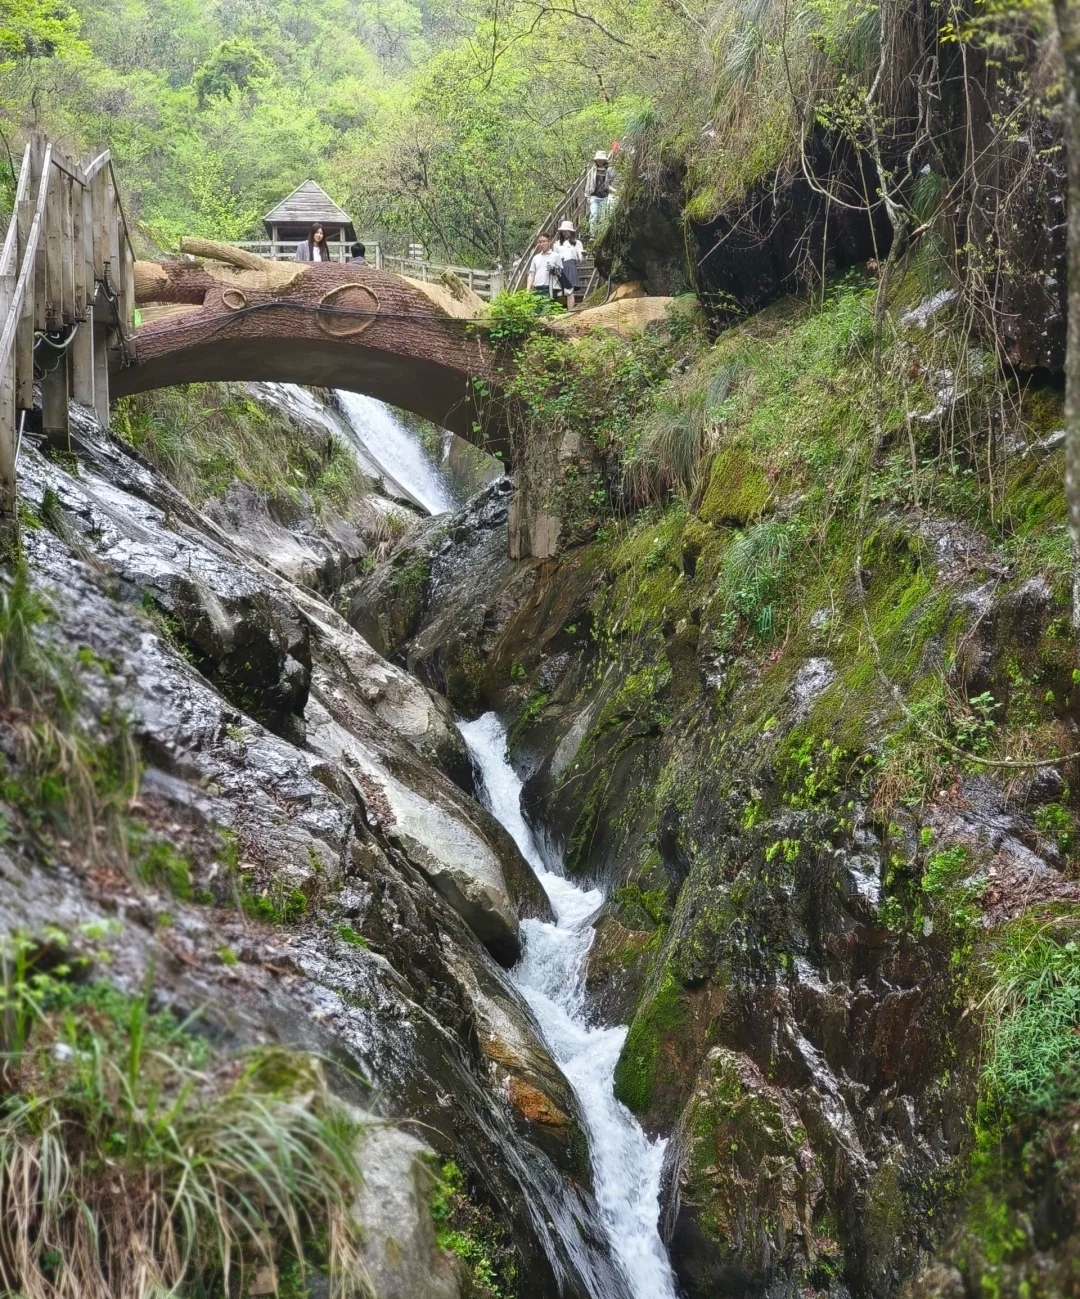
802,783
317,878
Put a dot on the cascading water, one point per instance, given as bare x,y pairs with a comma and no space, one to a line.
626,1165
397,451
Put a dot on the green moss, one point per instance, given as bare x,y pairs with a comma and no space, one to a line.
737,490
467,1229
641,1058
160,864
277,904
348,934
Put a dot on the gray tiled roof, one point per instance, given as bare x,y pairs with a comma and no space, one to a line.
308,202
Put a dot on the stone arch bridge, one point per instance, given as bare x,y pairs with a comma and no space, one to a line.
328,324
81,317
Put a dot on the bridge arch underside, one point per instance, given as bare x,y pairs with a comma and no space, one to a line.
397,352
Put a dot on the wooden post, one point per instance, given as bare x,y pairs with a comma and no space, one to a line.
24,336
82,362
67,249
8,428
55,394
101,373
54,251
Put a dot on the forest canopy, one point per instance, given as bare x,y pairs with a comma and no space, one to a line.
453,124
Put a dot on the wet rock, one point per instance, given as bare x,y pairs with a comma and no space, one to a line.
443,845
740,1182
319,553
356,956
399,1251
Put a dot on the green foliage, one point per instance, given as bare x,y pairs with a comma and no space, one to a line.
1034,1013
203,437
754,570
276,903
464,1228
235,65
171,1169
58,774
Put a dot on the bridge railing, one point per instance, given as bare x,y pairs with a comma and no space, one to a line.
278,250
486,284
67,292
571,207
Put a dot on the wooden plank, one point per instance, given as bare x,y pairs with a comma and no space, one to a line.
112,230
129,289
8,427
80,202
67,249
97,205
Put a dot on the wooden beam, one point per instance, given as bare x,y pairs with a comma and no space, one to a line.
54,251
24,337
67,249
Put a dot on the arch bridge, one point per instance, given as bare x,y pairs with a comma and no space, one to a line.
72,292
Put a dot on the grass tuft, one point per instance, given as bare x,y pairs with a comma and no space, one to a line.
135,1163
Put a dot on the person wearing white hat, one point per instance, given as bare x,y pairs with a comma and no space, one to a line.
599,189
570,250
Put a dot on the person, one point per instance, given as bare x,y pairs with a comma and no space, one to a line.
543,269
313,248
356,256
599,189
570,250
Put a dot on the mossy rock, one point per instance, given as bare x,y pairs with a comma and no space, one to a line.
738,491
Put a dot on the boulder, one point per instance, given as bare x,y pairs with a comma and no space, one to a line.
400,1255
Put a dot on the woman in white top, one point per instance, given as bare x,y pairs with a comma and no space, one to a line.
313,248
570,250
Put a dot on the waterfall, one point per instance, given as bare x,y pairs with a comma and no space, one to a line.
397,451
551,976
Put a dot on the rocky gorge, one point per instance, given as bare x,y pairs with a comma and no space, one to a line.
651,873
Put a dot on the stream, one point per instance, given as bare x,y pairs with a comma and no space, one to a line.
551,977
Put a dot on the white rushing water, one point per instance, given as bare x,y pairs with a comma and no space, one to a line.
397,451
551,975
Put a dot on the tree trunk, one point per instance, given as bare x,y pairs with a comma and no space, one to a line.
1067,13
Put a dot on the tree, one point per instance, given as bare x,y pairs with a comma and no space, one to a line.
235,65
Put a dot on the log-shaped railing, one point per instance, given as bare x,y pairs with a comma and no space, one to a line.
67,295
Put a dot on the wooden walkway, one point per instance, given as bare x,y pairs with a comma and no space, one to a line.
67,295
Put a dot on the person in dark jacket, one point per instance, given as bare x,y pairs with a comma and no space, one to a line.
313,248
357,257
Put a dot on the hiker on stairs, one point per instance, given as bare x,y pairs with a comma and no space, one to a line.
571,251
599,189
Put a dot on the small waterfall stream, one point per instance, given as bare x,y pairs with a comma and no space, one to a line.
397,451
626,1165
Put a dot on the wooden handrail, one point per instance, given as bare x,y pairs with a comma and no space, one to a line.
11,239
7,339
574,197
